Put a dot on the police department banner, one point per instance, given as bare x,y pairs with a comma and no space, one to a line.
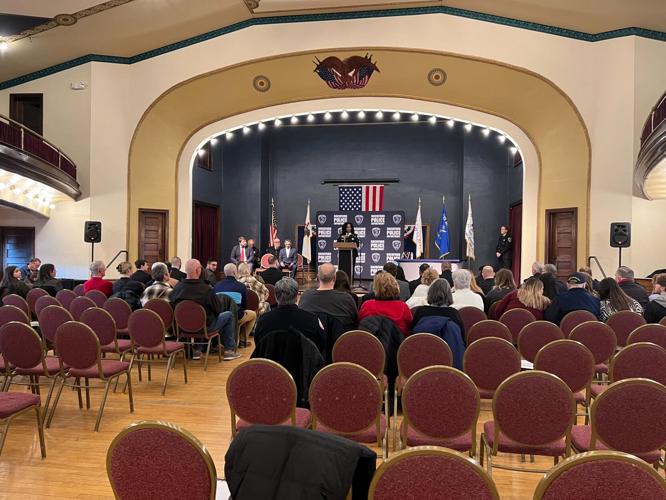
379,233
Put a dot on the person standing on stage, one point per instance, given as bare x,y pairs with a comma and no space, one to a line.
503,250
347,235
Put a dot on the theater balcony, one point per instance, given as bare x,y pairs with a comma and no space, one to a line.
650,169
34,174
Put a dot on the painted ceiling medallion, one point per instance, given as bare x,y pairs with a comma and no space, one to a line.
65,20
351,73
437,77
261,83
252,4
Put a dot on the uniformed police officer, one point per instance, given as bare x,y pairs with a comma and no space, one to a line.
503,250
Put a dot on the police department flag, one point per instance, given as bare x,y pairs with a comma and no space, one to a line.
442,239
368,198
418,233
469,231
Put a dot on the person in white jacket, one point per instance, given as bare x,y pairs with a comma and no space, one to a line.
420,295
463,296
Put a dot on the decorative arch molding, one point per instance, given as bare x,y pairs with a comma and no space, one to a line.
533,104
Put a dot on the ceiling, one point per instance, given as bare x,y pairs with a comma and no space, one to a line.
126,28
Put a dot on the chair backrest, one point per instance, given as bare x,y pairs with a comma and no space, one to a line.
346,398
440,402
536,335
623,323
470,316
654,333
490,361
101,322
146,328
488,328
256,402
431,472
629,416
271,294
515,320
79,290
569,360
533,408
20,345
120,310
190,316
97,296
77,345
574,318
163,309
598,337
662,321
17,301
80,304
12,313
65,297
264,261
643,359
252,300
491,310
421,350
362,348
299,261
602,474
153,459
32,296
45,301
50,318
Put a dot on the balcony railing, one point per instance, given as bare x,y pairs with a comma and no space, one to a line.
656,117
16,135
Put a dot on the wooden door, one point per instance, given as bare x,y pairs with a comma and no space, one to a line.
153,235
561,240
18,246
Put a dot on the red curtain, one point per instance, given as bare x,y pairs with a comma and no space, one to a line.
516,225
206,230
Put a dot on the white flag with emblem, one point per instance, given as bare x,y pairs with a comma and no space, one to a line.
306,252
418,233
469,231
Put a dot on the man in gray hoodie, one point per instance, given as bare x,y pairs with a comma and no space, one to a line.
656,309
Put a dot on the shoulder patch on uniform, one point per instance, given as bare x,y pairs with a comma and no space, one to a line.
509,239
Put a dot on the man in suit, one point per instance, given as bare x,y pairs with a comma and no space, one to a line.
241,252
414,283
255,257
275,249
287,258
142,273
273,274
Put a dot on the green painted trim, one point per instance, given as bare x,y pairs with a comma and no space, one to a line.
415,11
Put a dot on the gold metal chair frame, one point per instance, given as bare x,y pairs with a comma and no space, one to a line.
494,339
192,341
484,322
607,328
40,426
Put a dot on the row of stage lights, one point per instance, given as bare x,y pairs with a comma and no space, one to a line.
360,115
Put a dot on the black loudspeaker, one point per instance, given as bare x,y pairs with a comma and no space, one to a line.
92,231
620,234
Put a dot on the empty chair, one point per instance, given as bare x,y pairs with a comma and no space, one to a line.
440,407
623,323
31,298
79,290
602,474
515,320
252,401
65,297
575,318
252,300
12,313
164,311
536,335
489,362
80,304
190,319
654,333
120,310
97,297
272,301
14,404
101,322
431,472
600,339
17,301
643,360
470,316
488,328
50,318
45,301
160,460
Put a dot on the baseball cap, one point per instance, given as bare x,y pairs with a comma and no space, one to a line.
576,279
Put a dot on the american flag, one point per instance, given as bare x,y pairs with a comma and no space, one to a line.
368,198
274,232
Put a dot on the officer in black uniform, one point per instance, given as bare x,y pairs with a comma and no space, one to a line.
503,250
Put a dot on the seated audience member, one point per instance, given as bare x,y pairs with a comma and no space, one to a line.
30,272
446,273
125,271
552,287
537,268
576,298
210,273
252,283
588,270
420,295
193,288
387,302
273,274
463,296
12,283
175,271
255,257
325,299
474,286
439,300
142,273
343,284
47,277
414,283
400,274
589,284
231,286
529,297
487,281
161,288
550,270
240,252
97,281
625,278
288,315
504,284
656,308
287,258
613,299
392,269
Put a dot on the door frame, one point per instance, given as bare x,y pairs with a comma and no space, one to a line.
553,211
165,233
218,231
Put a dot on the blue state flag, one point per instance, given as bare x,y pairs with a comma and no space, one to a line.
442,239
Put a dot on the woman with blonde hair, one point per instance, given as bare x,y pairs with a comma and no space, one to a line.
252,283
420,295
386,302
529,296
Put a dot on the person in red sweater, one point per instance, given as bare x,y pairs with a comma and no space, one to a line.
529,296
97,281
387,302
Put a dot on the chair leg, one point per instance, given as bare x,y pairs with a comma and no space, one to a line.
207,353
166,374
184,366
55,403
48,397
102,404
138,360
87,393
395,419
3,436
40,429
129,392
149,360
129,372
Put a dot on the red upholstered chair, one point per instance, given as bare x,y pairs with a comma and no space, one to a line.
97,297
50,318
264,261
602,474
147,332
600,339
628,416
153,459
43,302
491,310
190,320
536,335
663,321
80,304
470,316
431,472
13,404
31,299
102,323
272,301
65,297
623,323
252,300
640,360
488,328
17,301
346,399
79,290
254,401
164,311
80,358
120,310
515,320
575,318
649,333
489,362
440,407
12,313
533,412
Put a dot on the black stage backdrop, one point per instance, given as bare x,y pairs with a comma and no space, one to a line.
379,234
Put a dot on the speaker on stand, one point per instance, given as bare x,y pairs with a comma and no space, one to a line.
92,233
620,237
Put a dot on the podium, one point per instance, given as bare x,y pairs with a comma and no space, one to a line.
346,257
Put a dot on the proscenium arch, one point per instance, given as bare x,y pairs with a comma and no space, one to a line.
534,104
